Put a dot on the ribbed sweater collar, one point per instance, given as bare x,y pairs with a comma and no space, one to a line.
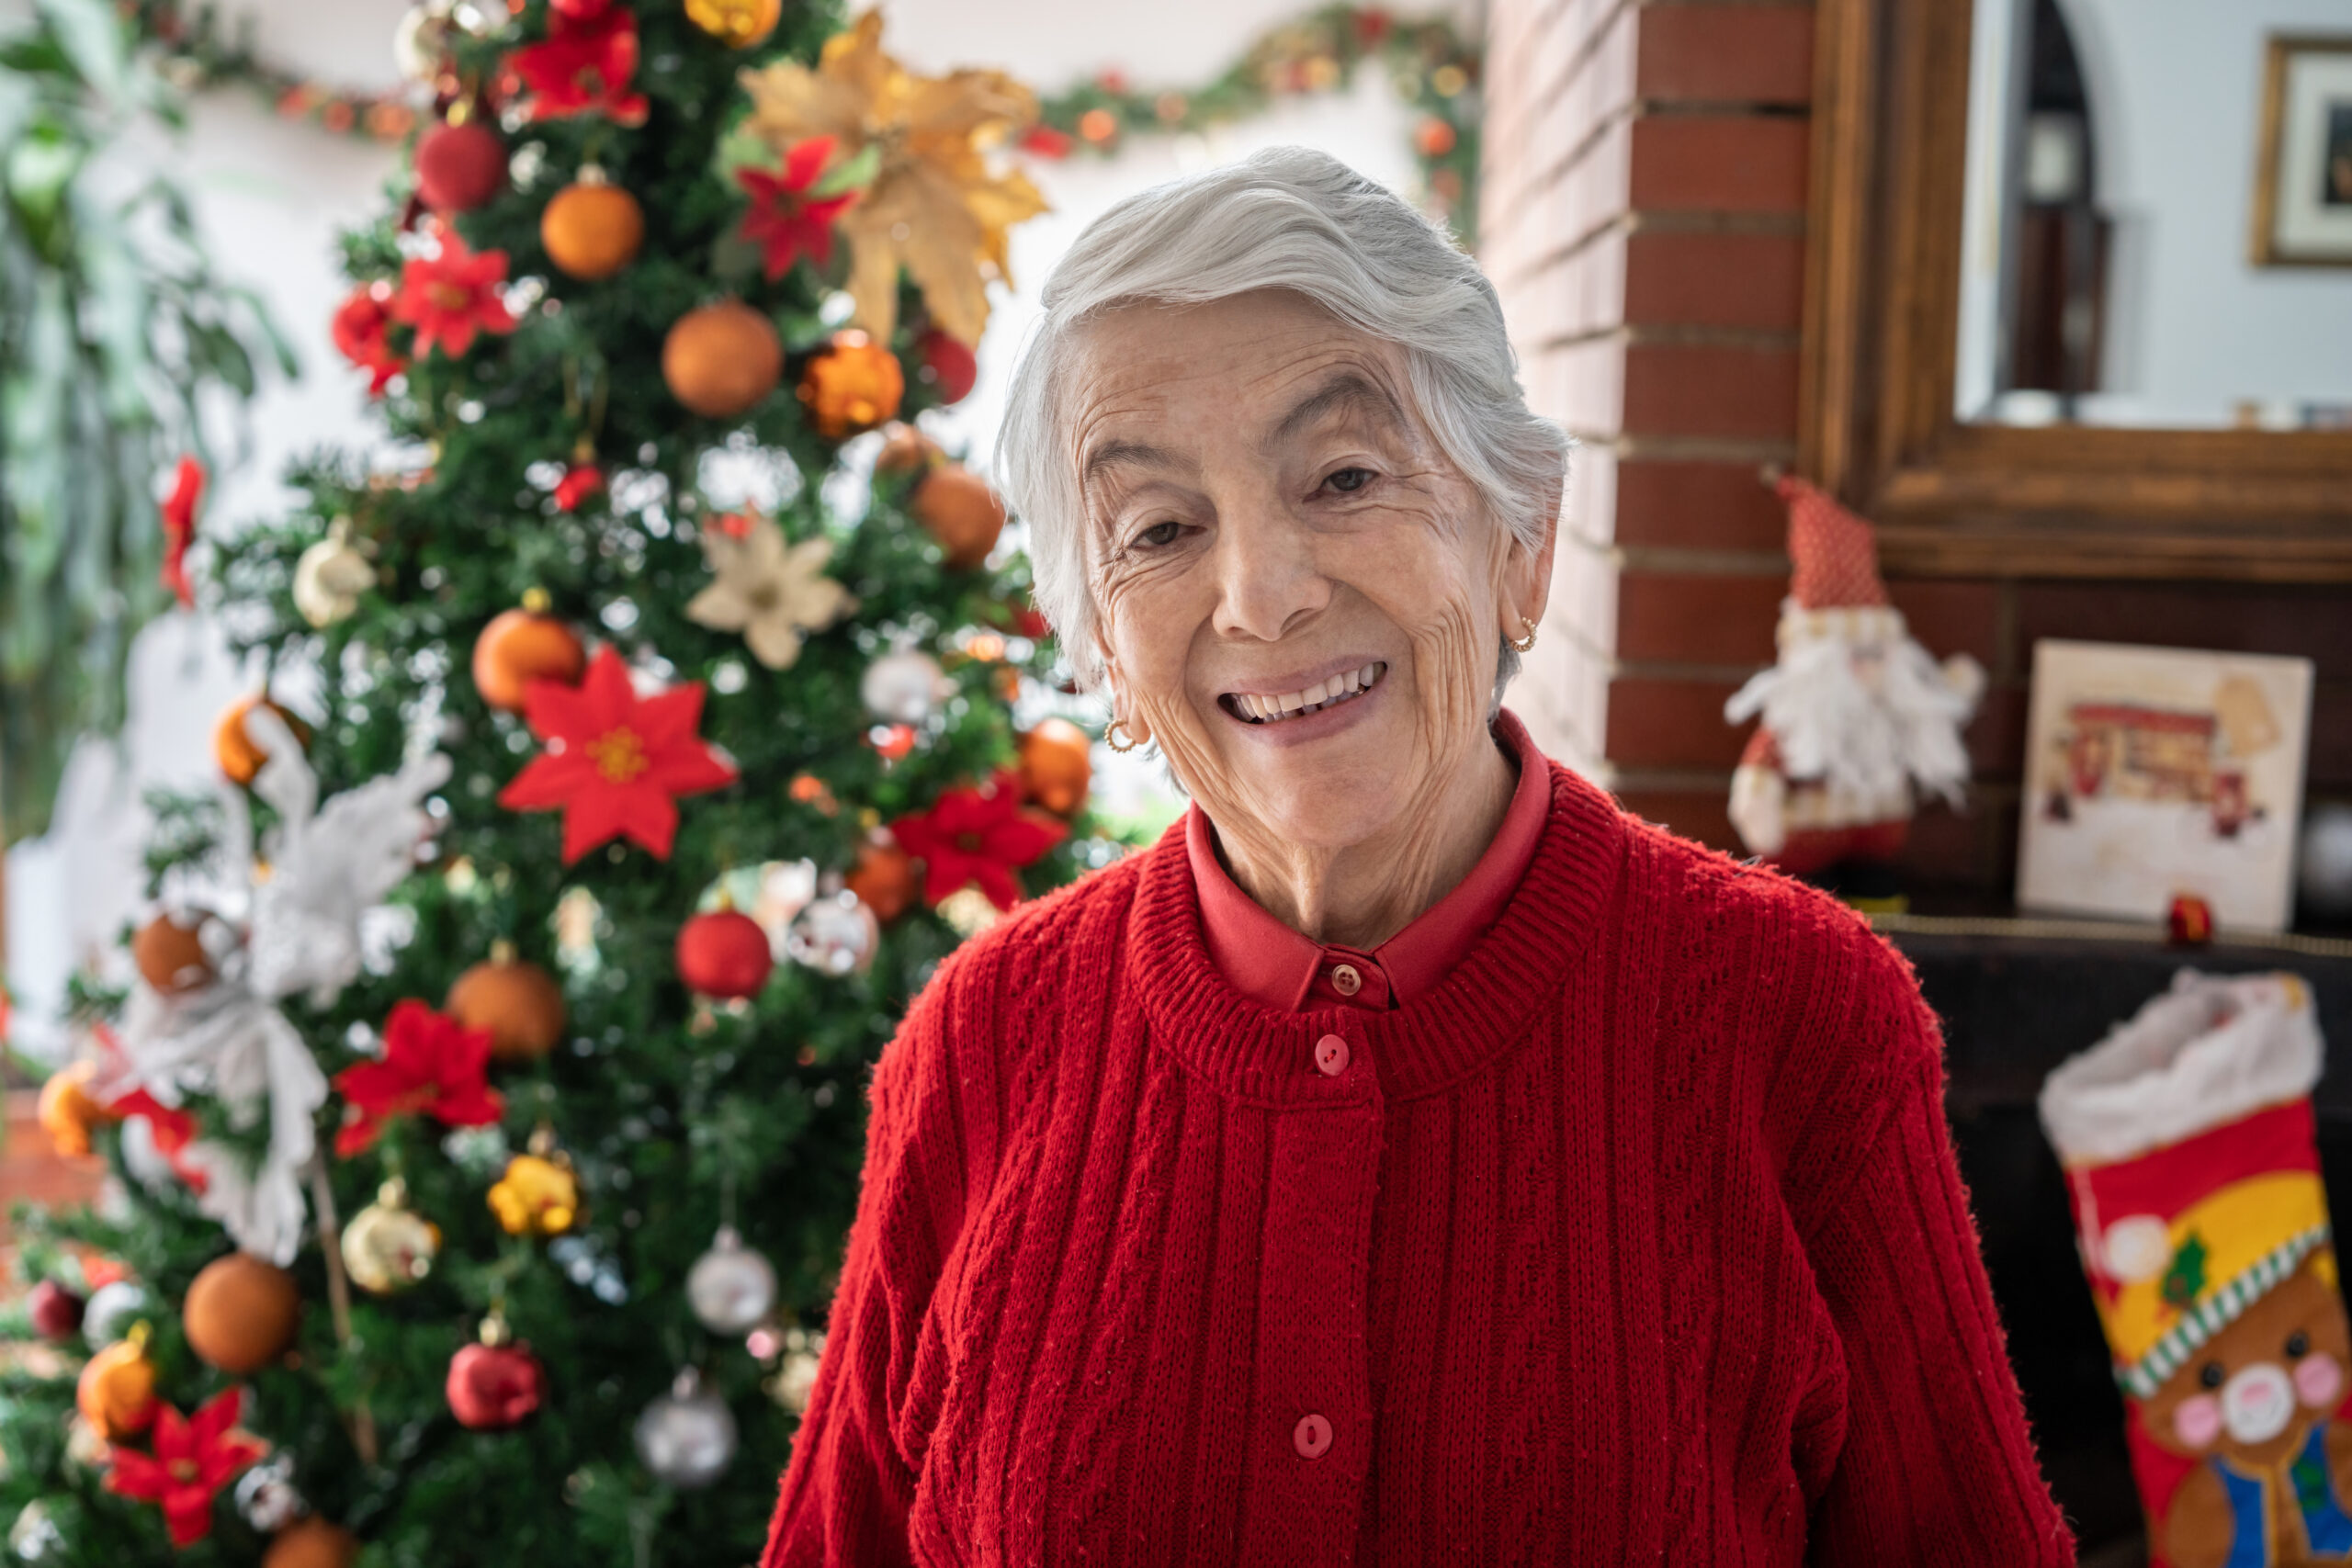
1480,1009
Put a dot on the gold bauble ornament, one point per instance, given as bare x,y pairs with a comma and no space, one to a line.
67,1110
539,1194
241,1313
738,24
388,1247
1056,764
592,229
854,384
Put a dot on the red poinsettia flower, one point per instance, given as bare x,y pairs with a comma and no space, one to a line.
615,762
977,835
194,1459
360,327
585,66
178,511
432,1065
449,295
782,221
170,1129
580,482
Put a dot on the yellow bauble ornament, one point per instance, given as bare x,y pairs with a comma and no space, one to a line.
388,1247
540,1195
854,384
593,229
68,1109
116,1390
738,24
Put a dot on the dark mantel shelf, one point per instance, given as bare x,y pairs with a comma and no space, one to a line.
2014,1005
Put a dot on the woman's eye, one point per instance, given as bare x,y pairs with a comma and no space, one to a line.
1347,482
1158,534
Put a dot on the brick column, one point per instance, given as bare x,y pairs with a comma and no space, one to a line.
1643,216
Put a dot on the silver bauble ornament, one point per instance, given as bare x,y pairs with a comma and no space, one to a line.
835,935
388,1247
906,687
687,1437
34,1536
2323,878
108,1316
330,576
731,1287
265,1495
421,40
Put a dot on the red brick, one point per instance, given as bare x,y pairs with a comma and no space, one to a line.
1951,616
1682,505
1715,280
1760,54
1698,618
1694,814
1708,390
1672,724
1718,164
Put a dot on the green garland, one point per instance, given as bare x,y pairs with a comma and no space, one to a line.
1428,63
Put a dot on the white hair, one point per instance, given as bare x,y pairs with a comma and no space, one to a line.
1296,218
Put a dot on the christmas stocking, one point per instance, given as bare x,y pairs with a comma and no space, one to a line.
2187,1143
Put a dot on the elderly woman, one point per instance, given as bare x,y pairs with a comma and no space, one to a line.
1412,1158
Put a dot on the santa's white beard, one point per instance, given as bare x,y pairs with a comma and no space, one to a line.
1833,729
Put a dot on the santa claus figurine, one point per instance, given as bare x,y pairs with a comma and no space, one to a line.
1858,716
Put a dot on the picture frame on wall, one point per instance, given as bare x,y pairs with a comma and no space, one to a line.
2155,772
2303,190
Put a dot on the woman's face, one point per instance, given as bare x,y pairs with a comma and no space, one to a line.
1268,527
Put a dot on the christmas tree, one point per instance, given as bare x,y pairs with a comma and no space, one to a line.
488,1105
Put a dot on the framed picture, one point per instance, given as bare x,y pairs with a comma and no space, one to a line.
2303,188
2157,771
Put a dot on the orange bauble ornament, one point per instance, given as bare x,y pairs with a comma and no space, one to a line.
854,384
68,1109
240,1313
170,955
722,359
884,880
312,1542
517,1001
116,1390
239,754
592,229
906,450
521,646
1056,761
962,513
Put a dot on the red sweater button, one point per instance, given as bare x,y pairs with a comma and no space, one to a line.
1331,1054
1312,1437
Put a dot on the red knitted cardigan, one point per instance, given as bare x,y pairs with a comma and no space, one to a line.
1639,1238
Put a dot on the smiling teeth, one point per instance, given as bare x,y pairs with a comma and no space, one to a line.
1327,693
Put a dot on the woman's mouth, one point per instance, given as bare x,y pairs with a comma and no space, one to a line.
1344,687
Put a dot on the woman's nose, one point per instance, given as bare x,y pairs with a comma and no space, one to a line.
1268,578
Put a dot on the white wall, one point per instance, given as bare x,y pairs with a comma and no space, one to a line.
271,195
2193,327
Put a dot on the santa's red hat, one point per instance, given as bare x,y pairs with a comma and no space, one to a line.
1835,552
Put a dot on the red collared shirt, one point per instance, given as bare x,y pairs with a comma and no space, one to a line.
1268,961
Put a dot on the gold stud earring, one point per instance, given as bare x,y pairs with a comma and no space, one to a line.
1111,737
1523,644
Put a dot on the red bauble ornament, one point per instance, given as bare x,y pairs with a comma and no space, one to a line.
56,1312
724,953
460,166
949,364
494,1387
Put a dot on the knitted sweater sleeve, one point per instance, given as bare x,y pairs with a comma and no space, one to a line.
857,1457
1937,1464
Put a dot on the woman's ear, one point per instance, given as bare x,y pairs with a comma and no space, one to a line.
1527,572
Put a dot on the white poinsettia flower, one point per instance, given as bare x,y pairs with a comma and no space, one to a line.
772,592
